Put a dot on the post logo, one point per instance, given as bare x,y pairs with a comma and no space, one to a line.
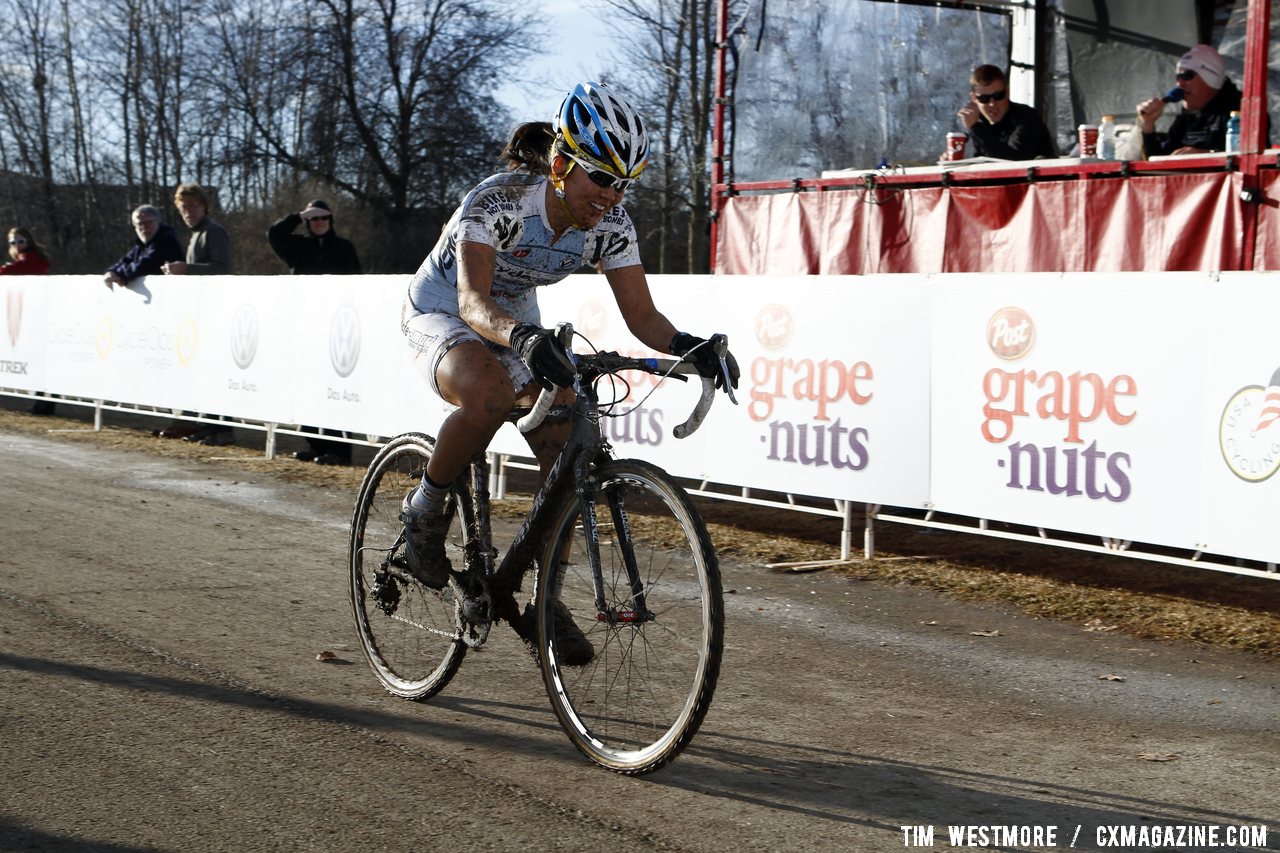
13,314
1249,431
593,320
774,326
1011,333
244,335
344,340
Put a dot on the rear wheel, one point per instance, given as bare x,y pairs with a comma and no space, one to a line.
656,636
410,633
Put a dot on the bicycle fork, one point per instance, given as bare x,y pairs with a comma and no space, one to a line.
589,488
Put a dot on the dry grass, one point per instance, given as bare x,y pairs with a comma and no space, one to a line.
1097,592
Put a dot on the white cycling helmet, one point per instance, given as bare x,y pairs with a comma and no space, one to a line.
599,127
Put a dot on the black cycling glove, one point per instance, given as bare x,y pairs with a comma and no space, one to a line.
547,360
705,358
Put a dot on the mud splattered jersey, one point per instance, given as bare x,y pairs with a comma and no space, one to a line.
508,212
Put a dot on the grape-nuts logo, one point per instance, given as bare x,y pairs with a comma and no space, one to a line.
1249,431
774,326
1011,333
13,314
244,335
344,340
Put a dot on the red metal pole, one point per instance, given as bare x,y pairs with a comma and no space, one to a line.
717,126
1253,113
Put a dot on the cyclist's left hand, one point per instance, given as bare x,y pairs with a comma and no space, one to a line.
700,352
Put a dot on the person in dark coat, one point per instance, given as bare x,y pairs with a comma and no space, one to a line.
318,251
156,245
1000,128
1208,98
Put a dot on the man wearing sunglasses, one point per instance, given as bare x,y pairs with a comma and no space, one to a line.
1208,98
999,127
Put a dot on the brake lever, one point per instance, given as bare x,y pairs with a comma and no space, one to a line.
720,346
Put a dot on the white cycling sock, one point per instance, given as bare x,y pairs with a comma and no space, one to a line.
428,497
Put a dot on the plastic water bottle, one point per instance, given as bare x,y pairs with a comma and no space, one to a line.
1233,131
1107,138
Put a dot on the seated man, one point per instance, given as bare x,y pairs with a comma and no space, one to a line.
1000,128
1209,98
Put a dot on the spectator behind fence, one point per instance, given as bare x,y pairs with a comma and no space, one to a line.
1208,98
209,250
208,253
156,245
319,251
28,257
998,127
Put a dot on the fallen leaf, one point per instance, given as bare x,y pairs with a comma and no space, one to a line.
326,655
1111,677
984,633
1096,625
1158,756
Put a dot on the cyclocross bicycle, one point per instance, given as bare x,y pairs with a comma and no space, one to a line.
615,541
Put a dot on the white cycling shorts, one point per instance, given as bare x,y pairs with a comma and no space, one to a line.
433,335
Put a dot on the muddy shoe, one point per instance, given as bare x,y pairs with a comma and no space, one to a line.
424,534
572,646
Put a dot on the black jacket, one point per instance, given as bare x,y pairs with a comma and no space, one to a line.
1020,135
309,255
1203,128
148,258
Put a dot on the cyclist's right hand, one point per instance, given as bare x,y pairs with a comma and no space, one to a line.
540,350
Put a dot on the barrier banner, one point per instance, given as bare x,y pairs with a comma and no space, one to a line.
1139,408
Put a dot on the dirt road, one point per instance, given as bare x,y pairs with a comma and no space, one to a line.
160,621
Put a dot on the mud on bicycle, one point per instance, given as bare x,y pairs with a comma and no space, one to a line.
616,546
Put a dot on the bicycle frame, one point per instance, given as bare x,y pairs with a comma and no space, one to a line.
585,444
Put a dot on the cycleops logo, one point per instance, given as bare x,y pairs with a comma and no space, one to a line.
774,326
1010,333
185,343
244,335
105,336
1249,431
344,340
13,314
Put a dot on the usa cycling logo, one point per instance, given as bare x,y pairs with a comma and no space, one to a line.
1249,431
344,340
244,335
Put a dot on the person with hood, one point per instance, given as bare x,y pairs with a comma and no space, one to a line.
318,251
156,245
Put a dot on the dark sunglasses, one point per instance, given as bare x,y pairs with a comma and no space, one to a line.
18,241
320,219
994,96
1184,76
604,179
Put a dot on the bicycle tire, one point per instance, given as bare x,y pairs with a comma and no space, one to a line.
644,694
412,637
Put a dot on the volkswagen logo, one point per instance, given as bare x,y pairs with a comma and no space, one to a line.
344,340
244,335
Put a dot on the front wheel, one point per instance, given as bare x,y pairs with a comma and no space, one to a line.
411,634
654,622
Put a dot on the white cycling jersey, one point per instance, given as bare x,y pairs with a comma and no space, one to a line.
508,212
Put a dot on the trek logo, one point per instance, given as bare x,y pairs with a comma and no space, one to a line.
244,335
344,340
15,367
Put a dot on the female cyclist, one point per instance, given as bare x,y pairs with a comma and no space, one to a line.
472,314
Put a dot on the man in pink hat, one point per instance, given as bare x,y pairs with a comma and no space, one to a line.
1208,98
